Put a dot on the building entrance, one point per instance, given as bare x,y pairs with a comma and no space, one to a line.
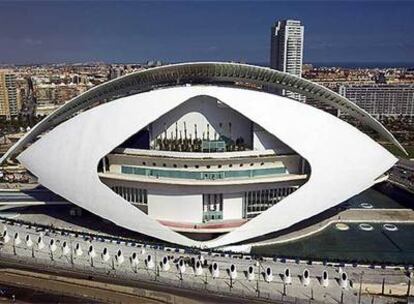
212,207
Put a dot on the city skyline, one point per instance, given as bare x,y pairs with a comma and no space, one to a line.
47,32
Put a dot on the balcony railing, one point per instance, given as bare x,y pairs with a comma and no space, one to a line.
203,175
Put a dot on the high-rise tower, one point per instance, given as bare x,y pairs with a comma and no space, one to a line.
9,100
286,50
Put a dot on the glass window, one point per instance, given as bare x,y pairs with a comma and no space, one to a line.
131,194
256,202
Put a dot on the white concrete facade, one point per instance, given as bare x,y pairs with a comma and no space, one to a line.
233,206
177,208
262,140
164,207
183,203
202,117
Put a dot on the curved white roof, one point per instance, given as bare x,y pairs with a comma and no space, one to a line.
222,73
343,160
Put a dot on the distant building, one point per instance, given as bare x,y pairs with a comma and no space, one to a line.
46,94
380,78
9,98
382,100
64,93
115,72
286,50
29,102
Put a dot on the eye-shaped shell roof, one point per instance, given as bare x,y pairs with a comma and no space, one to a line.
343,160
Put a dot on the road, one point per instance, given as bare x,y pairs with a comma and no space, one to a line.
30,195
85,289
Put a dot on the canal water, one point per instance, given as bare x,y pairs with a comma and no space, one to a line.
352,243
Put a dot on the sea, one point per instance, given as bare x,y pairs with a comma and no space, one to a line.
356,65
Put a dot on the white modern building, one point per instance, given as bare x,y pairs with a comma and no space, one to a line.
198,155
286,50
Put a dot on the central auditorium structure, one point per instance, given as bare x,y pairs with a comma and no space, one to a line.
202,149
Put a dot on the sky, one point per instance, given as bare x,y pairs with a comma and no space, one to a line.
177,31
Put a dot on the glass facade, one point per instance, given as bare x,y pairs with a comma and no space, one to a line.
132,195
202,175
255,202
213,146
